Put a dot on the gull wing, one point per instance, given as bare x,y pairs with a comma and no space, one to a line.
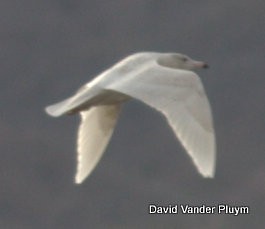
95,130
179,95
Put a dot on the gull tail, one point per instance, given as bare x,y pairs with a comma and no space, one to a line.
60,108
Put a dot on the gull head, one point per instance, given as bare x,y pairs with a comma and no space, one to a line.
180,61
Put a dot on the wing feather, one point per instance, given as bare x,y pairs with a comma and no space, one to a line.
179,95
95,130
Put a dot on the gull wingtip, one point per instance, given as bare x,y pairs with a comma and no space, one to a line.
208,174
78,179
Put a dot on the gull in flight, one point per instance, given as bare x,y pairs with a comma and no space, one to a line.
163,81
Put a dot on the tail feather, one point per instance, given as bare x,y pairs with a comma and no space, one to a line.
59,109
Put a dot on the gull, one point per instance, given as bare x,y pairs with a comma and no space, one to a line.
163,81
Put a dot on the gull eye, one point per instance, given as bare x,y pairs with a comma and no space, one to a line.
184,59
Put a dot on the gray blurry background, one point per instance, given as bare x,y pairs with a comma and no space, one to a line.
50,48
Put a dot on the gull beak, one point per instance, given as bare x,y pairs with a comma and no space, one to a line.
205,65
200,64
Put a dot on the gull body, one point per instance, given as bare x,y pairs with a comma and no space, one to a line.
163,81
